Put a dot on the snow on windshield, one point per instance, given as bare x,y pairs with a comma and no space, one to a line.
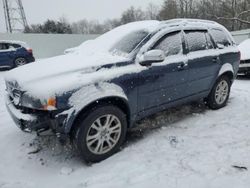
124,38
128,43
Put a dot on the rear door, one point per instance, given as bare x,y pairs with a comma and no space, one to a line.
5,59
203,61
165,82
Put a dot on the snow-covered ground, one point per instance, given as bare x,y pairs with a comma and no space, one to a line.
185,147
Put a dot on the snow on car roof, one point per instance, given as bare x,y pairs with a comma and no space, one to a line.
24,44
244,48
192,23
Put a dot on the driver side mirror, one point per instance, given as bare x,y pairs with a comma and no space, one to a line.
152,56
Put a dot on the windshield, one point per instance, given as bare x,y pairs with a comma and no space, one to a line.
119,41
129,42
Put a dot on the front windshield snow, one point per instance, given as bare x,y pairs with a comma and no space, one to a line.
129,42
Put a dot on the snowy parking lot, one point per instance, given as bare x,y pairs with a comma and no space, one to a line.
189,146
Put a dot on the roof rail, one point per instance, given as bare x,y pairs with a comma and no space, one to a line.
188,20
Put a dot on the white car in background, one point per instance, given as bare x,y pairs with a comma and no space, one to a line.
75,49
244,48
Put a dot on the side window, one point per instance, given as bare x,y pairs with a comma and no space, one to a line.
197,40
3,46
171,44
220,37
15,46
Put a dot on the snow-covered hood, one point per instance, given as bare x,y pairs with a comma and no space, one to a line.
59,65
61,73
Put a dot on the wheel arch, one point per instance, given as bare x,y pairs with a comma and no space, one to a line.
227,70
112,100
229,74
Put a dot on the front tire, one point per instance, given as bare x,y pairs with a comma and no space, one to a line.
101,133
219,95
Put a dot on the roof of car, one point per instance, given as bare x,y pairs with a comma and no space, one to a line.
14,42
191,23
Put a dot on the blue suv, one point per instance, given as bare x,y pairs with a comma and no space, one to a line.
14,54
98,92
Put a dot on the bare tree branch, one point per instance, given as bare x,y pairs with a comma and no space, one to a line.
230,19
242,13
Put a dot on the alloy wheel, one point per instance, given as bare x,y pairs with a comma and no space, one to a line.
103,134
221,92
20,62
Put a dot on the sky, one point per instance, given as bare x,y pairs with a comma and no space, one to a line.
37,11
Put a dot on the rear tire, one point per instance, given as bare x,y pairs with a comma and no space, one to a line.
219,95
101,133
20,61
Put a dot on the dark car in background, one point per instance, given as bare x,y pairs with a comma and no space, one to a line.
98,92
14,54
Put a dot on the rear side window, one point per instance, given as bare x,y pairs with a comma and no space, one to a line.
15,46
171,44
197,41
3,46
220,37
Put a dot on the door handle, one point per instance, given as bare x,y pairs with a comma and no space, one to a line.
182,66
215,59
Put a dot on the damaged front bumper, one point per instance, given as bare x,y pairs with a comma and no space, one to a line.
29,120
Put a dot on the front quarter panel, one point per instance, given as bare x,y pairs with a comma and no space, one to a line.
87,95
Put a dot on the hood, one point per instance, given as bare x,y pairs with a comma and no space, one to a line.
46,77
61,65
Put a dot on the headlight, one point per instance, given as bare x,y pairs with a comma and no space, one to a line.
38,104
49,104
16,97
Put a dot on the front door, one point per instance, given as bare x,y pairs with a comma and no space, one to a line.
163,83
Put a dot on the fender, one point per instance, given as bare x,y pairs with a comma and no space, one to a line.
87,95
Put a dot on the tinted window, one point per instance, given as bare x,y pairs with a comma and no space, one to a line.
171,44
3,46
196,40
220,37
129,42
15,45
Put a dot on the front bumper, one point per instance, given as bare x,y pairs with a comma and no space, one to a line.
35,120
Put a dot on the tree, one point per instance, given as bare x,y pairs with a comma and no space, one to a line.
50,26
152,12
132,14
169,10
233,14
